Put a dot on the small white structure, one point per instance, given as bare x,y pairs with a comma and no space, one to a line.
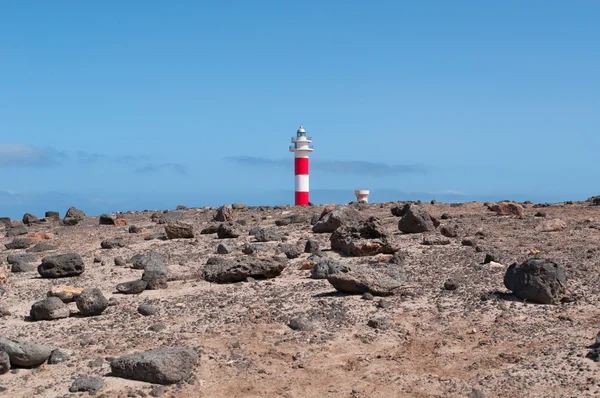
362,195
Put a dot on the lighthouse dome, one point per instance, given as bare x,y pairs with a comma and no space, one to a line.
301,131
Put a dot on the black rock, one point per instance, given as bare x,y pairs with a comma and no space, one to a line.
379,323
58,356
416,220
451,284
328,266
4,363
361,238
300,324
24,353
91,302
221,270
489,258
132,287
112,243
29,218
162,366
19,243
290,251
312,246
147,309
151,261
224,213
211,229
52,215
267,235
223,249
332,220
62,265
540,214
107,219
89,384
229,230
17,230
20,258
156,279
23,267
537,280
41,247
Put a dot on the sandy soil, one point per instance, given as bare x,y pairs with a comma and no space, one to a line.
476,341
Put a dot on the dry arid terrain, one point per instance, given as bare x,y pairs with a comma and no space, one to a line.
419,314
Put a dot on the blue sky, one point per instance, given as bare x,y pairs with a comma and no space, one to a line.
149,104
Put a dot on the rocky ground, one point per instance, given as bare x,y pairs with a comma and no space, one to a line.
384,301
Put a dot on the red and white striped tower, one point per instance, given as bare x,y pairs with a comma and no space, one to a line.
301,149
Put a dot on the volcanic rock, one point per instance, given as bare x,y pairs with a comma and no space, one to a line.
49,309
91,302
229,229
132,287
334,219
19,243
179,230
361,238
328,266
221,270
89,384
537,280
66,294
416,220
162,366
507,209
362,280
24,353
224,213
62,265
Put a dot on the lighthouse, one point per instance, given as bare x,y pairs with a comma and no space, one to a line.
301,149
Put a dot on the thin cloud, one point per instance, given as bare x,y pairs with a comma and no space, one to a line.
140,163
332,166
23,155
29,156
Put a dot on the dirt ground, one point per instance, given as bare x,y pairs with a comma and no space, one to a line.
475,341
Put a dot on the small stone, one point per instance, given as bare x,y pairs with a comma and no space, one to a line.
489,258
384,304
58,356
91,302
66,294
89,384
300,324
4,363
223,249
147,309
367,296
132,287
379,323
312,246
120,262
451,284
49,309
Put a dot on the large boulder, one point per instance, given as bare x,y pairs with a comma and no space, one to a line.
221,270
16,230
150,261
61,266
330,221
91,302
73,216
417,220
19,243
507,209
366,238
228,230
29,218
367,280
49,309
179,230
224,213
24,353
538,280
162,366
328,266
267,235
